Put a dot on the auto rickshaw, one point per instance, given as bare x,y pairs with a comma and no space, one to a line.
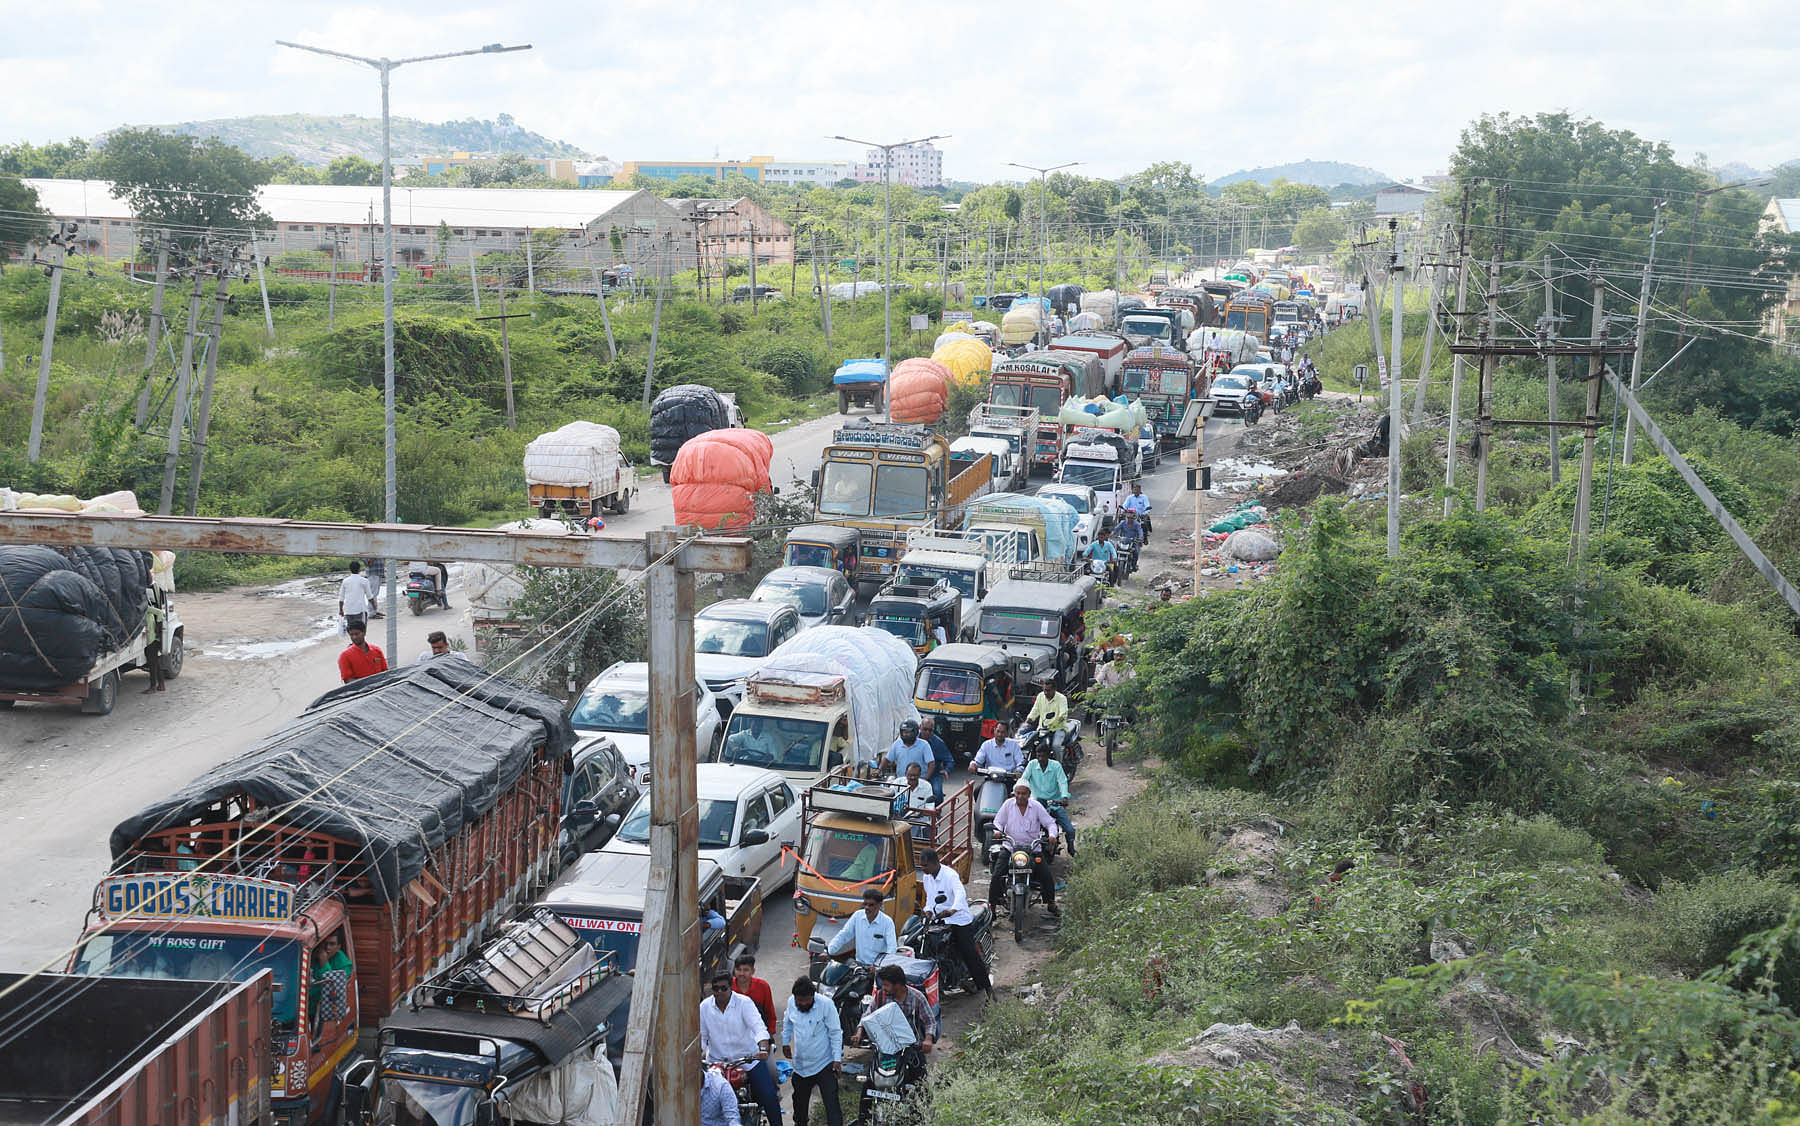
966,687
823,545
915,610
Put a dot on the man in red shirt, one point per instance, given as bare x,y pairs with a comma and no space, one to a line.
361,659
745,981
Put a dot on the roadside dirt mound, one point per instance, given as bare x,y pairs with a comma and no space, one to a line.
1318,1065
1245,869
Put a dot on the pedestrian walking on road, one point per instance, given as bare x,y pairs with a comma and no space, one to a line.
813,1037
355,598
156,622
360,659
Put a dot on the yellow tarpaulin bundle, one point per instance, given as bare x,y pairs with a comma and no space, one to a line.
968,360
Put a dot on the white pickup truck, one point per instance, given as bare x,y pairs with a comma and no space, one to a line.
577,471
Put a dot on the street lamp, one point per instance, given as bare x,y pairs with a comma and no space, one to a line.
390,512
1043,214
887,227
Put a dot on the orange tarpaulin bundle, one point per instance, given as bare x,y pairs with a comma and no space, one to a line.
716,477
921,387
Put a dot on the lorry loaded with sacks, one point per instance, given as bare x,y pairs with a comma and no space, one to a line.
683,412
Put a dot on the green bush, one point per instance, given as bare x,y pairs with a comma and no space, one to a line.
1699,924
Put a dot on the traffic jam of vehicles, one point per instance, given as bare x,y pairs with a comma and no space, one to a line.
446,932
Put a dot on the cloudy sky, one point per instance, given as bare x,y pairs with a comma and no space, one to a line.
1221,86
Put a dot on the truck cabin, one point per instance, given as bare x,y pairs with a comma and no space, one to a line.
971,448
791,722
916,610
601,898
1043,622
822,545
1040,390
882,471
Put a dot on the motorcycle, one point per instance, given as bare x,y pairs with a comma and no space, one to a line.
888,1080
1013,866
1069,754
996,789
1251,408
934,942
422,591
1311,385
841,980
736,1073
1110,724
1107,573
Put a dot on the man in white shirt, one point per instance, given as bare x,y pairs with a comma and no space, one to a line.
870,931
731,1028
355,599
917,791
945,899
1000,752
436,645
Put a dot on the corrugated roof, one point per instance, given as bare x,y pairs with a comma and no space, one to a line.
329,203
1790,214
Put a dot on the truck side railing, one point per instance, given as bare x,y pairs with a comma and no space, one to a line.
1046,571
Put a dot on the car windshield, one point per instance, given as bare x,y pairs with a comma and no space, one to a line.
846,854
900,490
963,581
187,956
1231,383
948,686
1147,326
772,741
809,555
844,488
808,598
1019,623
730,637
613,706
717,818
909,630
1075,500
1101,477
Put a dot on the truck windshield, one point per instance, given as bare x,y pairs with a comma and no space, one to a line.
1136,378
1018,623
731,637
1076,500
613,706
781,742
846,854
185,956
963,581
718,816
844,488
1102,477
1047,398
909,630
900,490
1147,326
948,686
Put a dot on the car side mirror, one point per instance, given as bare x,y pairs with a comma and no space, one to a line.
613,819
755,837
815,478
584,812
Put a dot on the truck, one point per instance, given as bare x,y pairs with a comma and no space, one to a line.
969,561
852,838
1009,468
1251,312
601,898
517,1031
1198,303
1103,304
1045,380
1016,426
1156,326
576,471
1034,527
93,601
397,819
1163,380
1104,461
839,692
861,383
1110,347
883,478
118,1050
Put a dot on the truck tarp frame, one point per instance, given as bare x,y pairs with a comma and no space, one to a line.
455,739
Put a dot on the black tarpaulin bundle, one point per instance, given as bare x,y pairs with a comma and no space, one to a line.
680,413
397,763
60,609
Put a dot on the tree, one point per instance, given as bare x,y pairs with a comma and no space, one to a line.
184,182
285,168
1319,229
1174,177
443,237
353,170
21,219
59,160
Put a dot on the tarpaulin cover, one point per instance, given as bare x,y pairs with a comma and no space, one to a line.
401,762
580,453
968,358
1057,516
680,413
878,667
60,610
870,370
1021,323
1129,416
950,335
921,388
1240,347
716,477
1086,321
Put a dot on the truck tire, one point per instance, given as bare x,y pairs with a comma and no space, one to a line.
624,504
102,695
843,401
665,470
173,658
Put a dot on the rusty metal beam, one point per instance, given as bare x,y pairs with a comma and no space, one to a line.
255,536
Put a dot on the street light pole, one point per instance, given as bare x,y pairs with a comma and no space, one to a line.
391,506
887,229
1043,218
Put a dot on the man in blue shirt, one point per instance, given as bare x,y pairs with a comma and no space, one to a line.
869,930
999,751
718,1102
1102,550
813,1037
908,748
940,751
1139,503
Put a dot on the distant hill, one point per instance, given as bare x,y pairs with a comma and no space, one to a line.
1318,173
315,139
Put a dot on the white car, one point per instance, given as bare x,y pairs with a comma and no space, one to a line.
733,637
746,815
617,702
1086,505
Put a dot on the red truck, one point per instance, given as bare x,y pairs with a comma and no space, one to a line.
126,1051
366,845
1046,380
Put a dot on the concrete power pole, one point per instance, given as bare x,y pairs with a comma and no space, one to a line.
203,420
1456,360
331,289
474,278
662,272
1590,426
1550,387
612,347
1643,317
1396,270
262,284
752,230
1431,309
530,266
35,445
1490,329
154,330
178,416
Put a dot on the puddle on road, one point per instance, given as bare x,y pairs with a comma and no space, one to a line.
244,649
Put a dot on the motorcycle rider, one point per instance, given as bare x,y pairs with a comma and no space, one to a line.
947,901
1022,821
868,934
1050,785
732,1029
1130,536
1103,551
999,752
892,987
1139,504
1049,711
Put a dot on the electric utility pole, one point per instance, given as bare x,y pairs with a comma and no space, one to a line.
1490,328
662,272
1550,336
1397,271
203,420
1456,356
506,352
60,256
178,416
1590,426
1643,316
1431,311
153,330
887,228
